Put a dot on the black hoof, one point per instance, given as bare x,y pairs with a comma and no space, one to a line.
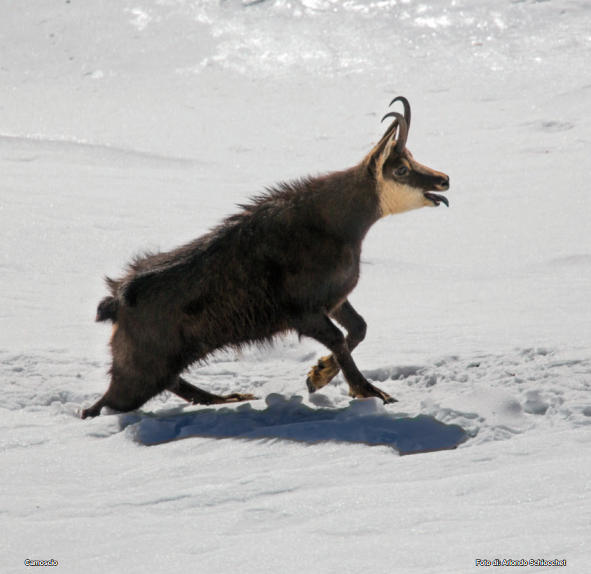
92,411
88,413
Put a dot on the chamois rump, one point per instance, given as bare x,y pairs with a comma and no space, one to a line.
286,262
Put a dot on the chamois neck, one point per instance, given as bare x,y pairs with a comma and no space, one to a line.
347,202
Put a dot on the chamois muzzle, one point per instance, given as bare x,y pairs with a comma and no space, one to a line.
440,183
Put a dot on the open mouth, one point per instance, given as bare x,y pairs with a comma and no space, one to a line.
436,198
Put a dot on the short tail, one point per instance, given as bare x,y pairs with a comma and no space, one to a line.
107,309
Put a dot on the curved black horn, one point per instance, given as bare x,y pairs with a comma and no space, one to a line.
402,130
406,105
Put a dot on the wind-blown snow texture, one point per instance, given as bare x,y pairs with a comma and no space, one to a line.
134,124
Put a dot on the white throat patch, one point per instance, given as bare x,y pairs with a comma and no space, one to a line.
397,197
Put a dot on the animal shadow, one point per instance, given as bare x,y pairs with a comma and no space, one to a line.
287,418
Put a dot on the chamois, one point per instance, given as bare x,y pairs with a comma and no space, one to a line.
286,262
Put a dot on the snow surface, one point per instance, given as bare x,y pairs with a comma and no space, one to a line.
134,124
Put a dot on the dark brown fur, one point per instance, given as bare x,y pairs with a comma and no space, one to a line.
287,261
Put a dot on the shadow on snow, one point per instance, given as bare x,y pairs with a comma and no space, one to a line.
363,421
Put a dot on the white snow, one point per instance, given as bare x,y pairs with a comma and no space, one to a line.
127,125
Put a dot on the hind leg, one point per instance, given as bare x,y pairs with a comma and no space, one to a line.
95,409
117,400
195,395
128,393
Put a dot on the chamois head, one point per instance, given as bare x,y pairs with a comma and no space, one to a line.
403,183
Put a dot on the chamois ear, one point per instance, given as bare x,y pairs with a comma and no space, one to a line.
389,144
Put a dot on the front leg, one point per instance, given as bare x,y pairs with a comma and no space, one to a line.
327,367
320,327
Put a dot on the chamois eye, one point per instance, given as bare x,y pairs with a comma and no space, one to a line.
402,170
